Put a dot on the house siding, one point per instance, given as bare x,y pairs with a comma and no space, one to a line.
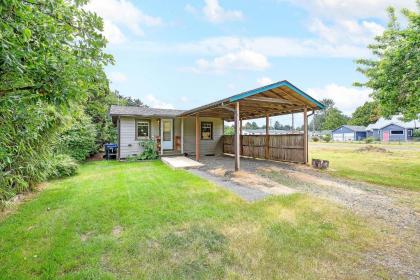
395,137
207,147
339,133
130,146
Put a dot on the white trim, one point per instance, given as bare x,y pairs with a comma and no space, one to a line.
161,136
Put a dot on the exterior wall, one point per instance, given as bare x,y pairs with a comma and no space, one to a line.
394,137
343,134
129,146
377,134
207,147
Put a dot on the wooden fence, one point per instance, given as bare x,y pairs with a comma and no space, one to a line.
286,147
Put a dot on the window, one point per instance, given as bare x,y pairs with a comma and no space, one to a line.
410,132
397,132
206,131
143,129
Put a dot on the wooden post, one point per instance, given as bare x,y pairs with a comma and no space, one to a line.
161,137
197,137
237,137
305,134
267,136
182,135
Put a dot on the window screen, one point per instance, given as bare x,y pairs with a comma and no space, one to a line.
206,131
143,129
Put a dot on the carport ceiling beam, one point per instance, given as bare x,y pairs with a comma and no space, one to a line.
270,100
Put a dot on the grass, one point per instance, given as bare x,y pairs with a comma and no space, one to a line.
399,167
143,220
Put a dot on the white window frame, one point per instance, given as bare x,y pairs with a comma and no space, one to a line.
142,122
410,132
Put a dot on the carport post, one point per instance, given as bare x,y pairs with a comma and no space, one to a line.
182,135
237,137
305,135
197,137
267,136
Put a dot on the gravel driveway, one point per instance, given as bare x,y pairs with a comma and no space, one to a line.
395,211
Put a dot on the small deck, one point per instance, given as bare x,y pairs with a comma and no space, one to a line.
181,162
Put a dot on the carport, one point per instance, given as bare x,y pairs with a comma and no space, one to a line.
276,99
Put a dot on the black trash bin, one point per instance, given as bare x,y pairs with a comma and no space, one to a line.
111,151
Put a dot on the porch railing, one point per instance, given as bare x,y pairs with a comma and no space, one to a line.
285,147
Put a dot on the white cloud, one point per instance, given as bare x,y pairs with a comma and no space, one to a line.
266,46
351,9
184,99
118,14
241,60
346,31
215,13
117,77
263,81
153,102
347,99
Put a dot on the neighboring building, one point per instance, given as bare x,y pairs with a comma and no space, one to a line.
349,133
392,130
321,133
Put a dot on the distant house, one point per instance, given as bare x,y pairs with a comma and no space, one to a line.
262,131
392,130
349,133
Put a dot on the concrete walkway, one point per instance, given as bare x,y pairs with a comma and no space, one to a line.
181,162
245,193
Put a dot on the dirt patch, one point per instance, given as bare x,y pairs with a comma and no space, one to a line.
311,179
370,148
117,231
253,181
85,236
13,203
96,157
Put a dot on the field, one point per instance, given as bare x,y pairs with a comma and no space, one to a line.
143,220
398,165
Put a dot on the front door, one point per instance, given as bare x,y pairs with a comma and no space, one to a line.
386,136
167,134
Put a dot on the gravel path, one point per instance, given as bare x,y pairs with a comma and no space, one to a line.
396,212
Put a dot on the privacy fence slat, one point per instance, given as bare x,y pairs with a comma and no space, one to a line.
285,147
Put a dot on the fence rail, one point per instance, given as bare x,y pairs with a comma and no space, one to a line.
286,147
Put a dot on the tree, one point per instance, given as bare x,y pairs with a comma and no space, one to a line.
366,114
394,73
277,126
319,117
51,64
333,119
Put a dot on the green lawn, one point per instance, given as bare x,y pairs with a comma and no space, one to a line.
143,220
399,167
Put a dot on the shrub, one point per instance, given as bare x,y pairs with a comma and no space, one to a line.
416,132
369,140
149,150
315,138
327,138
63,166
79,141
28,130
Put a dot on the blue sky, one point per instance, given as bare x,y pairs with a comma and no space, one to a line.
182,54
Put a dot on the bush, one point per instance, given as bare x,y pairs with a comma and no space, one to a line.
79,141
149,150
416,132
28,131
369,140
327,138
63,166
315,138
